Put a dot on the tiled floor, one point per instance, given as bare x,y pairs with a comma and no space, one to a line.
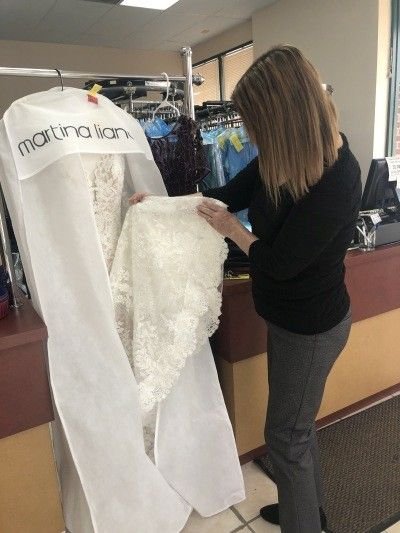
244,517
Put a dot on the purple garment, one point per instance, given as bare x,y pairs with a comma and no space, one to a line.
180,157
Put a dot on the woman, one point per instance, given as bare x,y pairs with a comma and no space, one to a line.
303,193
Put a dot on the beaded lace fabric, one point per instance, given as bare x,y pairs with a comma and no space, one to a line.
105,176
165,280
180,157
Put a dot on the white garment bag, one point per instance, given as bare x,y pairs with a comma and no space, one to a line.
108,482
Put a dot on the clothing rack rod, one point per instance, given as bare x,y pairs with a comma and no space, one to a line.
70,74
189,78
186,53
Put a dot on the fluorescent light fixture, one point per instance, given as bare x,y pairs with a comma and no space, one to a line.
162,5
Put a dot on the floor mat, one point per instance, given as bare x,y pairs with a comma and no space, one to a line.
360,461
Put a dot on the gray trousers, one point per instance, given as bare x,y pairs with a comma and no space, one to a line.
298,366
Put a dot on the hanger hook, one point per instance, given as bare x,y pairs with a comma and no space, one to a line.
167,80
60,78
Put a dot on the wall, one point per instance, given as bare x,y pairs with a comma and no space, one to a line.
236,36
341,39
382,79
71,57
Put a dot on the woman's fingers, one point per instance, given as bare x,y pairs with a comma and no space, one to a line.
210,209
138,197
204,215
211,205
204,210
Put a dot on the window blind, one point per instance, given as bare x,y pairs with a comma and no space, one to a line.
210,89
235,65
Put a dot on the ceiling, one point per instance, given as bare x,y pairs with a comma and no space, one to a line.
93,23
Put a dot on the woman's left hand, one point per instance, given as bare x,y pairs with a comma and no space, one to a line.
219,218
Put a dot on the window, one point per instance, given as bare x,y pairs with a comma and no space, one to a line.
222,73
234,65
210,89
393,137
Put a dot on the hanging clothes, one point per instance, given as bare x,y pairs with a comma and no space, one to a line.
229,152
180,157
216,177
237,150
61,157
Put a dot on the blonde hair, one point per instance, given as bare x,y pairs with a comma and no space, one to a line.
291,119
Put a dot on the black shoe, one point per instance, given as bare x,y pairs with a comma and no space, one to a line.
270,513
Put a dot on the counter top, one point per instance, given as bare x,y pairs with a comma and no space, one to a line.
21,326
372,279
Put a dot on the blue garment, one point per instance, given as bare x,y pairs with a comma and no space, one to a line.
237,152
156,128
235,161
216,177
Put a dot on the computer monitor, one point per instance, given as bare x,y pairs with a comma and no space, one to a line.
379,192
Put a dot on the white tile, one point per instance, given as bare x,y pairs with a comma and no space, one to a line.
394,529
171,46
203,7
261,526
224,522
72,16
168,25
213,25
123,21
24,11
243,10
260,491
17,19
140,41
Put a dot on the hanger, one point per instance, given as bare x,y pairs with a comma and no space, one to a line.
60,78
165,102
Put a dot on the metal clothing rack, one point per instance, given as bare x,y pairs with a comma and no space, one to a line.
213,114
188,78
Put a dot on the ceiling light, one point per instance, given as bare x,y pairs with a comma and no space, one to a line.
162,5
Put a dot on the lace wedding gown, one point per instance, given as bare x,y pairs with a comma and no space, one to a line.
166,266
165,281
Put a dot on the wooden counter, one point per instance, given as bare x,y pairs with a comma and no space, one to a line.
368,367
24,387
29,491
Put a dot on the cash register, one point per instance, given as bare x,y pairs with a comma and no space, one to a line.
380,209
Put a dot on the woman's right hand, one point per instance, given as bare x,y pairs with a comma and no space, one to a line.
138,197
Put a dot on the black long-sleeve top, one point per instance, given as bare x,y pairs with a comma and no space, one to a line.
297,265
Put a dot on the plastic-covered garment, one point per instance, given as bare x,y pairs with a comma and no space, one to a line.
237,151
216,177
229,151
55,154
